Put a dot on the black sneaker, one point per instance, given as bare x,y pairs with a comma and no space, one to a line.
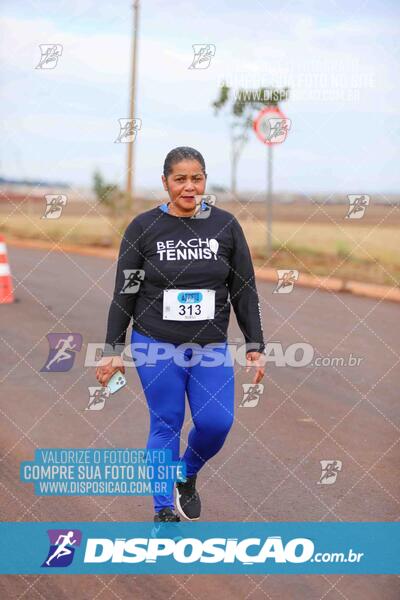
187,499
166,515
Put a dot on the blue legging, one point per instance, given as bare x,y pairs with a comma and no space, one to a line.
210,392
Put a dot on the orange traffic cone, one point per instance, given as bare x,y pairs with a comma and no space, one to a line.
6,289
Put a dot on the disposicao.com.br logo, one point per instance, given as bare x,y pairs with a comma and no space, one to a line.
247,551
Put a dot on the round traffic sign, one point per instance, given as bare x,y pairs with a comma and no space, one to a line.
271,126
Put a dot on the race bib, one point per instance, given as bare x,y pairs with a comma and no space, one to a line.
188,305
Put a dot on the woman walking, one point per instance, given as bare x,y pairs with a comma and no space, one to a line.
191,256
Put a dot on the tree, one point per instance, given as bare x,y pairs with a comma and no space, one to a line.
242,109
109,195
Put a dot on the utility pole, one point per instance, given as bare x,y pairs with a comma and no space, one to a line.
233,163
130,154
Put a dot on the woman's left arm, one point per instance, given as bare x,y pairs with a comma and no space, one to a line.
245,301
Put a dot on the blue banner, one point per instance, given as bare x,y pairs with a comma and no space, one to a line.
200,548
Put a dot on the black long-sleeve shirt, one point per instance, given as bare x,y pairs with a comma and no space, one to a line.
184,253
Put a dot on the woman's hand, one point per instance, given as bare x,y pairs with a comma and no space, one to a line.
108,365
256,359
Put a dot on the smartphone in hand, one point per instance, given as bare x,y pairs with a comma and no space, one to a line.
116,382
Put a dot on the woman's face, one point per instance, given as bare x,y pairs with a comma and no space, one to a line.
185,182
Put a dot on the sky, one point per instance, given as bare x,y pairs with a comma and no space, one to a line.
340,59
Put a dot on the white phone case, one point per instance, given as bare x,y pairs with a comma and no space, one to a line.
116,382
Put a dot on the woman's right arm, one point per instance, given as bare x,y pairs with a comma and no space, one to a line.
122,305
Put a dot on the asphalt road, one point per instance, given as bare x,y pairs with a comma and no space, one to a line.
268,469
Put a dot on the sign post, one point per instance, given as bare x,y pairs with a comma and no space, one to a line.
271,127
269,199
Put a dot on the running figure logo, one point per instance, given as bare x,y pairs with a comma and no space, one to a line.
358,205
203,202
203,54
209,198
62,547
251,394
133,279
286,281
97,397
128,129
277,130
50,54
54,205
62,351
330,470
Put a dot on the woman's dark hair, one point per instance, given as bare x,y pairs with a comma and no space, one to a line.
182,153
